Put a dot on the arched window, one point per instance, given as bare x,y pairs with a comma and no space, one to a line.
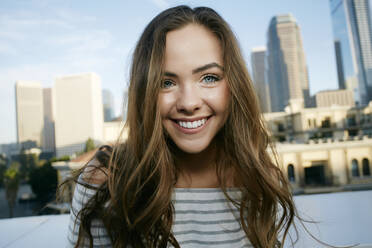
291,173
354,168
366,170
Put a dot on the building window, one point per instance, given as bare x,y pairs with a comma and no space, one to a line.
291,174
326,123
366,170
280,127
354,168
351,121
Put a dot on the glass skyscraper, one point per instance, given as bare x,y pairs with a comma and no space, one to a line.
353,47
258,58
287,71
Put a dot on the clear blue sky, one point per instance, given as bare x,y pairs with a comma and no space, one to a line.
42,39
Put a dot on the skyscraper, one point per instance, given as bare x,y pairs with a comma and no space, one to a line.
79,112
108,105
258,73
29,108
48,130
353,46
287,71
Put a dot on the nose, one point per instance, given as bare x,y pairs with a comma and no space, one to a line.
189,99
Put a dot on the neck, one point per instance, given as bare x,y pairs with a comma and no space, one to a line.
197,170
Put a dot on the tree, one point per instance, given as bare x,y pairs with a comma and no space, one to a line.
44,181
28,162
11,183
89,145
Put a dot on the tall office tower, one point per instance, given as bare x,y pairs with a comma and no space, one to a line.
78,112
29,107
353,47
108,105
258,73
287,70
48,130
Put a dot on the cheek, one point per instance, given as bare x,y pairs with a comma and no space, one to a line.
165,103
220,99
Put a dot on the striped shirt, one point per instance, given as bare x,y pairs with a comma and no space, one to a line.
203,218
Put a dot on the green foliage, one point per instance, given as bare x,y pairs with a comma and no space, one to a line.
89,145
3,167
11,183
44,181
63,158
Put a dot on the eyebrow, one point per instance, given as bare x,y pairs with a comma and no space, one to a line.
197,70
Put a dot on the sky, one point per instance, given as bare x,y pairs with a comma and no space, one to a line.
43,39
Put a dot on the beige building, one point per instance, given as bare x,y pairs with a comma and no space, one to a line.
114,130
328,98
29,112
335,123
324,146
327,163
78,112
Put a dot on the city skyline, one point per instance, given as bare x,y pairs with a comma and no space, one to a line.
353,47
72,38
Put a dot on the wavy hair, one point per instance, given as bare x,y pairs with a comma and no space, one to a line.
134,199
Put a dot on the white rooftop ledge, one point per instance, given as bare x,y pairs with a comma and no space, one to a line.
51,231
37,231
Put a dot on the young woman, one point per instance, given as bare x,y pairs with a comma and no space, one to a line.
194,170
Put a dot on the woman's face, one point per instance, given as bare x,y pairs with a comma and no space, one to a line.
194,97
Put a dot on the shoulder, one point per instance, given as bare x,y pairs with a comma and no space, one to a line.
95,171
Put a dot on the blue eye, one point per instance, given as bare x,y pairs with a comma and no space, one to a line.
210,79
167,84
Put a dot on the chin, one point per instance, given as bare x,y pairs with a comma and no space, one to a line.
192,148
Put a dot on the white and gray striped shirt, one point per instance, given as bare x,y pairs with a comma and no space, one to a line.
203,218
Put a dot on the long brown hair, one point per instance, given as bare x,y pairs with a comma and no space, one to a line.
134,202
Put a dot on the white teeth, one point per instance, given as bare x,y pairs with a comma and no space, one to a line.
192,124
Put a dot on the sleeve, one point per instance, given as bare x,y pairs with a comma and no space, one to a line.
81,197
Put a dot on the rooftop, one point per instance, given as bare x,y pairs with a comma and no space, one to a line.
38,231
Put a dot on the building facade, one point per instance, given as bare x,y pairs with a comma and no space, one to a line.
328,146
258,59
287,74
319,124
78,112
330,163
351,23
29,113
48,129
328,98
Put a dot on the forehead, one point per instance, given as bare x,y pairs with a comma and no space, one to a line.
191,46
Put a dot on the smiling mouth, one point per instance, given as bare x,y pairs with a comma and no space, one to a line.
192,124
